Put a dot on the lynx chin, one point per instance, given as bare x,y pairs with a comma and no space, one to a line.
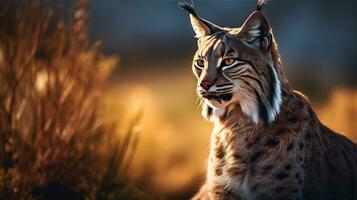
267,142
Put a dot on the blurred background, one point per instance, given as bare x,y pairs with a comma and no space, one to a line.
155,42
150,44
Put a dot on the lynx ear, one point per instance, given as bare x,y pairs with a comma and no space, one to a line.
257,27
201,26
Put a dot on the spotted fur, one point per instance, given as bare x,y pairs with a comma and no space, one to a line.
267,142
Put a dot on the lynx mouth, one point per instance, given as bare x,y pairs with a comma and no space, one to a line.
218,97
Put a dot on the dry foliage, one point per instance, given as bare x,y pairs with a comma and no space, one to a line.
53,142
340,112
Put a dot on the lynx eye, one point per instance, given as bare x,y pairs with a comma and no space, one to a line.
228,61
200,63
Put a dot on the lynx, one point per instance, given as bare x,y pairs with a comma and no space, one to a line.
267,142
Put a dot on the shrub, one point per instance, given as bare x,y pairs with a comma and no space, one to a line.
54,143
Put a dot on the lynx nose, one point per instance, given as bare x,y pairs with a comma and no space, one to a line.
206,85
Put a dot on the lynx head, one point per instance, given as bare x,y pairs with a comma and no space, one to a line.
237,66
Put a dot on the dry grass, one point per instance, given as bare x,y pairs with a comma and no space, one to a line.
340,112
55,141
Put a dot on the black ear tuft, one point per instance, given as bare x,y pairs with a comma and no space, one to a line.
188,6
261,3
201,26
